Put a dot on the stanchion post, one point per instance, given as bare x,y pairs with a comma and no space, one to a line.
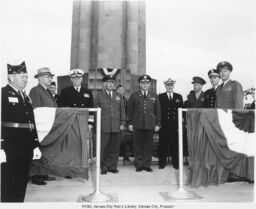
181,193
97,195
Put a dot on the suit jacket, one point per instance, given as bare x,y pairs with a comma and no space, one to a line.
112,111
144,113
169,109
70,97
193,102
41,97
18,142
230,96
210,98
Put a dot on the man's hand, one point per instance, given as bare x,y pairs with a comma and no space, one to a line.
157,128
2,156
130,128
36,154
121,127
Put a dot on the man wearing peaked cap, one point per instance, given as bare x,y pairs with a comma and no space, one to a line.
76,95
19,140
76,73
144,78
210,94
229,94
112,123
196,97
144,117
168,136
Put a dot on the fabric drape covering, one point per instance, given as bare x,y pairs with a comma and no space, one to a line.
64,148
244,120
210,159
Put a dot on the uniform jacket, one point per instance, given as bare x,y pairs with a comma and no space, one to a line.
230,96
210,98
192,102
112,111
70,97
18,142
169,109
144,113
41,97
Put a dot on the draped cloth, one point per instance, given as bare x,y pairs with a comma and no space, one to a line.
63,142
211,158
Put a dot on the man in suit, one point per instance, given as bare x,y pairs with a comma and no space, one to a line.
19,139
196,97
53,89
230,93
168,137
144,117
210,94
123,150
42,97
76,95
40,94
112,122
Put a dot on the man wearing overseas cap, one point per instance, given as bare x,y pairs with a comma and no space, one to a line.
196,96
112,123
41,97
76,95
210,94
230,93
144,117
19,140
168,137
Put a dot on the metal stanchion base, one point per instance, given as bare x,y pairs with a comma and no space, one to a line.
96,197
182,194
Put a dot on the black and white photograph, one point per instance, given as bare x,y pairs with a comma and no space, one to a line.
128,104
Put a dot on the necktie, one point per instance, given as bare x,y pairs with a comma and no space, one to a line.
221,86
77,89
109,93
145,95
21,95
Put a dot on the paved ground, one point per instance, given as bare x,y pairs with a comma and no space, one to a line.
132,187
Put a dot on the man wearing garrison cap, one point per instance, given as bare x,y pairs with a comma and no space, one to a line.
19,140
210,94
230,93
196,97
112,123
144,117
168,136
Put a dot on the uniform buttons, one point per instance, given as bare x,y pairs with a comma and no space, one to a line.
26,113
74,104
82,105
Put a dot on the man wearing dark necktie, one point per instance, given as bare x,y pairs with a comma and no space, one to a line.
112,123
144,118
230,94
42,97
19,141
168,136
210,94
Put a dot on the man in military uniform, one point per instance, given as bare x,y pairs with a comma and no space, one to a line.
196,97
76,95
144,117
19,136
230,93
168,138
53,89
210,94
112,122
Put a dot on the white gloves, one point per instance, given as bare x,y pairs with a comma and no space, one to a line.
36,154
130,128
2,156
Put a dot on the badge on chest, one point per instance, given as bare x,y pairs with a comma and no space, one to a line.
13,99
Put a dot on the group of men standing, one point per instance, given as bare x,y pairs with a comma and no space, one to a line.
144,113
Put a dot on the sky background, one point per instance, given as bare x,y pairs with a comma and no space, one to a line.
185,38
